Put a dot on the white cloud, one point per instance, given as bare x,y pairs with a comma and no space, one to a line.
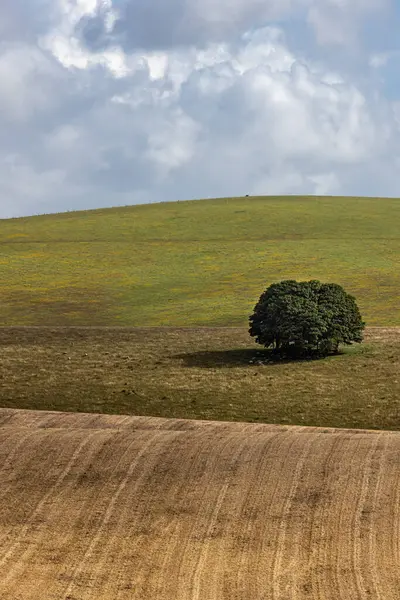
383,59
172,142
326,184
160,25
70,53
379,60
108,125
336,22
24,189
67,48
74,10
27,77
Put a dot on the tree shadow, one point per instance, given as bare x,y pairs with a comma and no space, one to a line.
237,357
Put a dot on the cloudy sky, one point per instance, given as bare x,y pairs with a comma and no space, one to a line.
116,102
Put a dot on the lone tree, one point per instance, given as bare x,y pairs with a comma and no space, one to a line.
306,318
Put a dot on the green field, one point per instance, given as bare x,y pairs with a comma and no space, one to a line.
198,373
196,263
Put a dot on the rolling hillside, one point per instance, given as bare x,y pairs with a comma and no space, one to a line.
196,263
96,507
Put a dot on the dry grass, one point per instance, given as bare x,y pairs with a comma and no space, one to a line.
198,373
96,507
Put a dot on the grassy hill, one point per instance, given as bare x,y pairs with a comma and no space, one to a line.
196,263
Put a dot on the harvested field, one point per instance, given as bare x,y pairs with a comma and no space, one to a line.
101,507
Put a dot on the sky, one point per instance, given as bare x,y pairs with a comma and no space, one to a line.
118,102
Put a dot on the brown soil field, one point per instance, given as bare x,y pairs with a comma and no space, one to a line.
101,507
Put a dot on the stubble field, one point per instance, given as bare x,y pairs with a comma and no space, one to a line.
101,507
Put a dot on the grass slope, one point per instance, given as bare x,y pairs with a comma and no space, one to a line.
105,508
196,263
198,374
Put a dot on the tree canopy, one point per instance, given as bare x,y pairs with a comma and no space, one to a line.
306,318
